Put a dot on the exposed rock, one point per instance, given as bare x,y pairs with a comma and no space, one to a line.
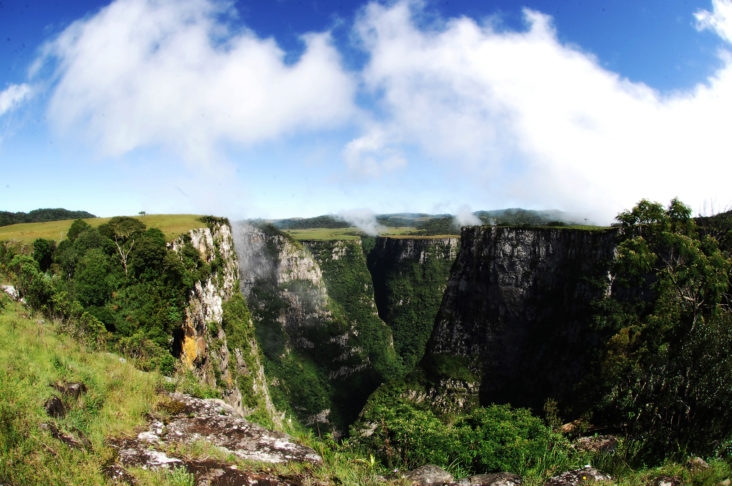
218,423
428,475
696,464
11,291
75,440
599,443
667,481
586,475
70,389
118,475
517,310
202,342
55,407
494,479
213,421
216,473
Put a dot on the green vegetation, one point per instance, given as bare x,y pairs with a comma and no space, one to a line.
118,279
667,365
41,215
172,226
33,356
408,289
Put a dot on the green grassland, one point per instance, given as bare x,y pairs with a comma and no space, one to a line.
172,225
331,234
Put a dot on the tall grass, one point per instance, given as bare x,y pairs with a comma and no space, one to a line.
33,356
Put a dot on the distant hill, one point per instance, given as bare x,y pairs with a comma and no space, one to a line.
432,224
41,215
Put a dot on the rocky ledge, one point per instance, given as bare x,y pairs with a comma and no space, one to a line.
187,419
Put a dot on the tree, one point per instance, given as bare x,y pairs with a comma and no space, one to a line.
43,252
77,227
668,361
92,286
123,230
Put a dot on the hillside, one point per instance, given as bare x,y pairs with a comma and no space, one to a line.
41,215
416,342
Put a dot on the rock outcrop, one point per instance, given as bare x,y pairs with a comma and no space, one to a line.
183,420
316,321
515,321
205,349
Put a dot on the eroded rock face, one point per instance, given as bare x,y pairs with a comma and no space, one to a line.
517,310
216,423
313,308
204,347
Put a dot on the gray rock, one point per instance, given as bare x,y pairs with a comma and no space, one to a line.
55,407
428,475
493,479
213,421
578,477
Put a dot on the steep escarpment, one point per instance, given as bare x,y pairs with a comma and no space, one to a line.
312,303
216,340
515,323
409,277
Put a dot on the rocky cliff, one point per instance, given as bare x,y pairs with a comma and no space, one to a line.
515,323
409,277
230,363
325,348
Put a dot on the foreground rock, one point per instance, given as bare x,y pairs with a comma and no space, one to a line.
585,475
213,421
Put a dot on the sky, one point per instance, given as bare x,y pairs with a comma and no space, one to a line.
297,108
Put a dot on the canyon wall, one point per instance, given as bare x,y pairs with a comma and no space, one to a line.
230,363
515,323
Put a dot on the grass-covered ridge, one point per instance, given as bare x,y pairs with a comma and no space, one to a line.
172,226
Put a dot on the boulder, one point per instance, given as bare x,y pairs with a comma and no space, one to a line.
493,479
587,474
428,475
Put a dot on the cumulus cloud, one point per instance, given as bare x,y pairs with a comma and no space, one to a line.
718,20
541,122
144,73
13,96
372,156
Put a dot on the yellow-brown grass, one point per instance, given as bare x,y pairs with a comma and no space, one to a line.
172,225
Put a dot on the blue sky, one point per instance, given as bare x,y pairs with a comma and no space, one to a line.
298,108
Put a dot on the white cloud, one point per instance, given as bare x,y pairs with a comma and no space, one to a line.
719,19
363,219
541,120
144,73
372,156
465,217
13,96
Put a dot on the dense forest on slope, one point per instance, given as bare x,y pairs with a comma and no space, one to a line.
119,281
40,215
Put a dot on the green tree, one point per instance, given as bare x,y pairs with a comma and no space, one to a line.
123,230
667,363
43,252
77,227
92,286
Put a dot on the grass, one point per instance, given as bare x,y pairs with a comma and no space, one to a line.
172,225
330,234
32,357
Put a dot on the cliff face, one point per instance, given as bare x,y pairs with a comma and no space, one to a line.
205,348
315,318
409,277
514,325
